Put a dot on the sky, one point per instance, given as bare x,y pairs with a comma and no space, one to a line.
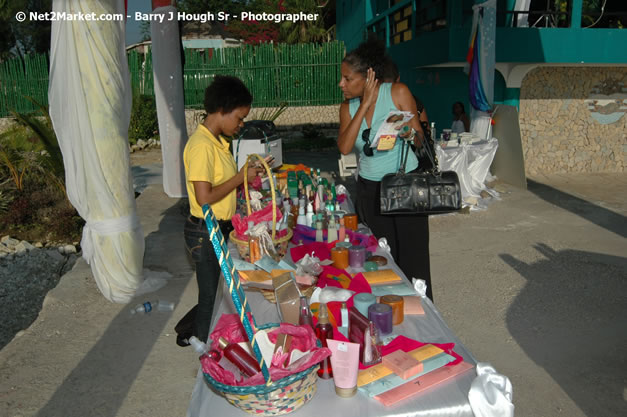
133,34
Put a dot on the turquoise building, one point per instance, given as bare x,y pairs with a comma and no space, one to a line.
564,69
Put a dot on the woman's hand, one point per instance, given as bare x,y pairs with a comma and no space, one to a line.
252,172
371,89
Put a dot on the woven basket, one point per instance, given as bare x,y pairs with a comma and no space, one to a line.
280,243
281,397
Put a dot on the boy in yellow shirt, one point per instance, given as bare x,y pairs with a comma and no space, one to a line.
212,178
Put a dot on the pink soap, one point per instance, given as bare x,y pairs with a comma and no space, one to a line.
402,364
422,383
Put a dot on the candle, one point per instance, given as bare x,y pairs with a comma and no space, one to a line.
362,301
350,221
339,256
356,256
397,305
381,316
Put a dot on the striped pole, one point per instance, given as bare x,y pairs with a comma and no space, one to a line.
232,279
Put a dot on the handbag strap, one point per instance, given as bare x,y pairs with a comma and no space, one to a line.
405,153
436,168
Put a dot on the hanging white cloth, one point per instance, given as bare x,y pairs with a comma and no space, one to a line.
168,76
90,107
490,394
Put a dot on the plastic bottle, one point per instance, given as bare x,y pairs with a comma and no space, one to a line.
304,316
148,306
202,349
319,232
239,357
332,233
302,219
341,233
324,331
309,215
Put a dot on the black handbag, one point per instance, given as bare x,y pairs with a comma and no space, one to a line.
432,192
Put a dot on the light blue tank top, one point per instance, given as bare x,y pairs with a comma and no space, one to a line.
374,167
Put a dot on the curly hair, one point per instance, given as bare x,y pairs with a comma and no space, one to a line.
369,54
225,94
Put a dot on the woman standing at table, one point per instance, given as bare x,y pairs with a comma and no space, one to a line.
461,122
369,99
212,178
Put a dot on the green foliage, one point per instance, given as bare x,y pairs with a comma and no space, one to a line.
20,38
270,113
306,30
51,161
19,154
144,124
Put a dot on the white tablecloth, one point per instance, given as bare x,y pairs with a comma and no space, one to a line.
448,399
471,162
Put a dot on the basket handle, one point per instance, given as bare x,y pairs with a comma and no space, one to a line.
231,276
270,179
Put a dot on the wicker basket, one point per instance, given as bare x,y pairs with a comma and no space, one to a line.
281,397
280,243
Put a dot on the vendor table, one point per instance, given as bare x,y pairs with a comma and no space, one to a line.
471,162
448,399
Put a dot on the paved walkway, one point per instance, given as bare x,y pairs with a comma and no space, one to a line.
535,285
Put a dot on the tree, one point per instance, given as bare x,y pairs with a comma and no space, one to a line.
305,31
20,38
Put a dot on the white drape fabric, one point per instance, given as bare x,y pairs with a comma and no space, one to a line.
90,105
471,162
490,394
168,75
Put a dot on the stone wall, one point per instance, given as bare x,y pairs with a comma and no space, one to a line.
572,119
292,117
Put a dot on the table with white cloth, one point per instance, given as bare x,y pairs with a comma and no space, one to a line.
450,398
471,162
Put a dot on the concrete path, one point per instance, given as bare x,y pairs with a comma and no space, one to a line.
535,285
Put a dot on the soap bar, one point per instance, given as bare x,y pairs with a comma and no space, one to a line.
402,364
379,371
392,381
382,276
422,383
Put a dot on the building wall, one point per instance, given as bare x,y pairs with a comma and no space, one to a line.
572,119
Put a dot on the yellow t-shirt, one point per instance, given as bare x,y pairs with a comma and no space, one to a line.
208,159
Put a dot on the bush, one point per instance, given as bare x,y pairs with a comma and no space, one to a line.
144,124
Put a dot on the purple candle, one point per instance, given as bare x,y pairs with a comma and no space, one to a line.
381,316
356,256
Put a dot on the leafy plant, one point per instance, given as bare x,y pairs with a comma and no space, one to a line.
271,113
144,124
52,159
17,154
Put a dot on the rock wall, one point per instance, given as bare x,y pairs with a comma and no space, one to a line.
323,116
572,119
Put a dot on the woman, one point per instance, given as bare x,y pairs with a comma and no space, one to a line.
212,178
369,99
461,122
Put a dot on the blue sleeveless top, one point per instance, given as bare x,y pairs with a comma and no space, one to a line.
374,167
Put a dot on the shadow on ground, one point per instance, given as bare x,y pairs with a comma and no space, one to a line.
100,383
614,222
586,356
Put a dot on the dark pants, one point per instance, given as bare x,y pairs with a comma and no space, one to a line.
408,236
207,269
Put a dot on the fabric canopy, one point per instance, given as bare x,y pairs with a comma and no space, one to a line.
90,106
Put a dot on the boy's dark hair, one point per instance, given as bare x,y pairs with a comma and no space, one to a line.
225,94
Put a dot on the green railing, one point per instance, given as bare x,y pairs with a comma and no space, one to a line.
299,75
23,78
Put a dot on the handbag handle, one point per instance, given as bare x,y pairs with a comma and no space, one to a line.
436,168
405,153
